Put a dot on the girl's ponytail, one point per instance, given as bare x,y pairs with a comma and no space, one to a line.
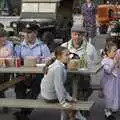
45,69
58,52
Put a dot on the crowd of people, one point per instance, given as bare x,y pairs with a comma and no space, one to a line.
31,46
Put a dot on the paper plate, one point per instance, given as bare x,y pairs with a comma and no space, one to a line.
83,69
40,65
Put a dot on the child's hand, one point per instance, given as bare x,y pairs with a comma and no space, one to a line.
67,105
117,56
74,100
116,59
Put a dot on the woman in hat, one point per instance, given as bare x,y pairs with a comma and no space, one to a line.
80,46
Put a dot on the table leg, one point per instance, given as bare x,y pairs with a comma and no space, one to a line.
75,87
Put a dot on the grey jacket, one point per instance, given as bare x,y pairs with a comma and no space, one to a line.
52,85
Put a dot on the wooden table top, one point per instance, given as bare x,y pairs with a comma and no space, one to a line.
21,70
92,70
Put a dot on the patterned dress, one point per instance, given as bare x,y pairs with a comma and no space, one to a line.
110,84
89,19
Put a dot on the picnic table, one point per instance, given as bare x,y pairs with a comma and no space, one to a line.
90,70
80,105
14,80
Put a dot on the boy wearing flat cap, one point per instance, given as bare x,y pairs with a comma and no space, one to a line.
31,47
79,45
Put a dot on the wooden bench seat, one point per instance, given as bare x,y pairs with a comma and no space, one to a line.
10,83
39,103
96,87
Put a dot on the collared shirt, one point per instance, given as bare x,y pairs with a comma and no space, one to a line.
85,49
38,49
6,50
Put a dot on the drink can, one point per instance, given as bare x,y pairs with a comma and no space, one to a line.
17,62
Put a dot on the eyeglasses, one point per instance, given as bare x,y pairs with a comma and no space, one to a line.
22,33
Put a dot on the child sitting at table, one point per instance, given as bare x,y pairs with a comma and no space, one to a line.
52,84
110,80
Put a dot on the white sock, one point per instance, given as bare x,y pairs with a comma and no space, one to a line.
79,116
107,112
90,40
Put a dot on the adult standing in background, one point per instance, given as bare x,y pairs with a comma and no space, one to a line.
88,12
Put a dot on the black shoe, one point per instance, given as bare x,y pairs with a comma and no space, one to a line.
20,116
111,117
17,115
5,110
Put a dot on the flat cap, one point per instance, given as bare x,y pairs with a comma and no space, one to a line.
78,28
32,27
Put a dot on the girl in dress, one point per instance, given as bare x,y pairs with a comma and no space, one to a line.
110,80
